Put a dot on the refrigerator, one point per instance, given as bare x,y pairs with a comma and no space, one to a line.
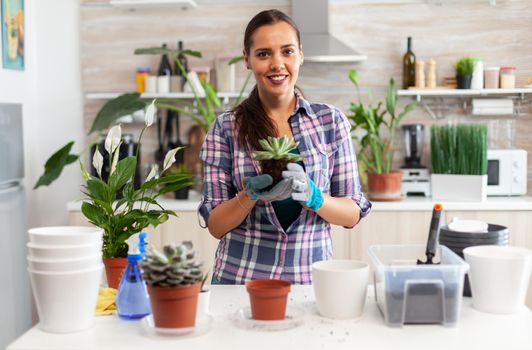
15,294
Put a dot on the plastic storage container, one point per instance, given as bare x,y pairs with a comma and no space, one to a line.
507,77
407,293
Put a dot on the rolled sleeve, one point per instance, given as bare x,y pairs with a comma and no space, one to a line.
217,171
345,181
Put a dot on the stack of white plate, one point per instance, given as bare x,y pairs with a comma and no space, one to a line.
65,267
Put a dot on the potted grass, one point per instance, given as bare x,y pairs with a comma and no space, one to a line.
459,162
174,279
464,72
374,130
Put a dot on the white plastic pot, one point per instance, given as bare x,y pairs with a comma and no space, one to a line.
66,301
340,287
65,235
40,252
65,265
464,188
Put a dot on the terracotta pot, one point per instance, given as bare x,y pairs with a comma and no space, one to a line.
268,299
174,307
114,267
385,187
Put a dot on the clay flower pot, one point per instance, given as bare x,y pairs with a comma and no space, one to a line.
385,187
268,299
114,267
174,307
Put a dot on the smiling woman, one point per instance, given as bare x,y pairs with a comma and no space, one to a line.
278,233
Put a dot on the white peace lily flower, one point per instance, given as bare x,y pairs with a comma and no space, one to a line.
97,161
152,173
113,139
116,155
169,159
150,114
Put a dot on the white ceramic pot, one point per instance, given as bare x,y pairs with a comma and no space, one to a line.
65,265
340,288
40,252
499,277
65,235
204,299
66,301
472,188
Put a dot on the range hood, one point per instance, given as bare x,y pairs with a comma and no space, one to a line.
312,18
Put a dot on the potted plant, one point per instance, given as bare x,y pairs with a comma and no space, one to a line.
459,162
268,299
135,210
464,72
174,280
374,130
275,155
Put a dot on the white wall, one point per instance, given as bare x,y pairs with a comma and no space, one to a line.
50,90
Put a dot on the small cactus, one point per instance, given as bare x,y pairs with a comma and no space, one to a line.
175,266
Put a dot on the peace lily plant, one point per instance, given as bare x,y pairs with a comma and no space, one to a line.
138,208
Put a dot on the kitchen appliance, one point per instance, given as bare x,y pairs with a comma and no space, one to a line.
507,172
416,178
15,308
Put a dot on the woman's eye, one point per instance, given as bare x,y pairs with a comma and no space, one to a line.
289,52
262,54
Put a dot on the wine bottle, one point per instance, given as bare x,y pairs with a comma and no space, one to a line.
164,66
182,59
409,66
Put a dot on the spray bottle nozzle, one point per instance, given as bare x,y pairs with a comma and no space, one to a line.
137,245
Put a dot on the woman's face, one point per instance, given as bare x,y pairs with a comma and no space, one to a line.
275,57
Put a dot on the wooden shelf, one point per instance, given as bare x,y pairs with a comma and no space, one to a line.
172,95
182,4
419,93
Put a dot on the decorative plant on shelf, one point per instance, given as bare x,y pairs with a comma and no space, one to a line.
376,143
174,280
275,155
136,210
464,72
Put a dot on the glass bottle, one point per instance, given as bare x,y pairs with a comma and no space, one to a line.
409,66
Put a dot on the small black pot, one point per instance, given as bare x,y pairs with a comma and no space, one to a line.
182,193
463,81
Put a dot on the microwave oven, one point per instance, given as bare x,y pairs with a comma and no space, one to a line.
507,172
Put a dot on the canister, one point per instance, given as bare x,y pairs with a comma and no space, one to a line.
491,78
507,77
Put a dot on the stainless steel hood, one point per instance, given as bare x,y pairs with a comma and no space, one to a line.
312,18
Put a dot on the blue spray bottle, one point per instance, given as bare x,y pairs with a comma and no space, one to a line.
132,301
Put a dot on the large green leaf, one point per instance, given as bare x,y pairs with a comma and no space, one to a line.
94,213
116,108
235,60
55,164
176,186
98,189
125,170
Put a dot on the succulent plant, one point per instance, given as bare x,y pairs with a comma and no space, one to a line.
175,266
275,155
277,148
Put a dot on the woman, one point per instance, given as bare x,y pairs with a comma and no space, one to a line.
277,234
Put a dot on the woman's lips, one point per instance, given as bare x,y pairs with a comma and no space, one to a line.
278,79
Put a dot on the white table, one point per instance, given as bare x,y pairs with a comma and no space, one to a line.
475,330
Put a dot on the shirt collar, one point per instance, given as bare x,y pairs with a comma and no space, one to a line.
301,103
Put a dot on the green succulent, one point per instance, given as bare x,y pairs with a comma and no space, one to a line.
277,148
175,266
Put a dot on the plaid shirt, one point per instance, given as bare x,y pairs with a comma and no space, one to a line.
259,248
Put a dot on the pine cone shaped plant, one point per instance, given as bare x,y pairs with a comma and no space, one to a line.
275,155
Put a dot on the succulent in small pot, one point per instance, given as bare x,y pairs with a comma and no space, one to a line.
275,155
174,281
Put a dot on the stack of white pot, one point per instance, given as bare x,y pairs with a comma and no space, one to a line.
65,267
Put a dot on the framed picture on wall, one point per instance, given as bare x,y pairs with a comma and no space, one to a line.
12,16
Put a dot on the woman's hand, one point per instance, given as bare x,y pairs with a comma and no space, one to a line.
304,189
254,188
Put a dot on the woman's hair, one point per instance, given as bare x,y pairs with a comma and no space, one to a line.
252,122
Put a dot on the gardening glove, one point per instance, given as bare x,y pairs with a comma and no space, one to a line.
254,188
304,189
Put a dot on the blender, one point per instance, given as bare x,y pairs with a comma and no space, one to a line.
416,178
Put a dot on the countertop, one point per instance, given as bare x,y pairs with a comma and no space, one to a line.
475,330
407,204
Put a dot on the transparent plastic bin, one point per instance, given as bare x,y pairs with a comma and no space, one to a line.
407,293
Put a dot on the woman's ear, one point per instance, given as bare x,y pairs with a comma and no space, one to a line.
246,59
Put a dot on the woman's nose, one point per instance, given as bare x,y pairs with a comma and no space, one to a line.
276,62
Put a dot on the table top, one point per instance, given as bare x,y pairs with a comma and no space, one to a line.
475,330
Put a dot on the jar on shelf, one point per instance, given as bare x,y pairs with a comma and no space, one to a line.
491,78
142,73
507,77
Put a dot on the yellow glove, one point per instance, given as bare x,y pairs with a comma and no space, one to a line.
106,302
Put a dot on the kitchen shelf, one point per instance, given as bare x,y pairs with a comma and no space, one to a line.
183,4
172,95
438,105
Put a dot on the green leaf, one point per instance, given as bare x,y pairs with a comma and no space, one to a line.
93,213
125,170
176,186
98,189
116,108
211,95
391,98
235,60
353,76
55,164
